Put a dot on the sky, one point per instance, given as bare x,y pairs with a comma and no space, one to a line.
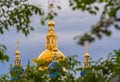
68,25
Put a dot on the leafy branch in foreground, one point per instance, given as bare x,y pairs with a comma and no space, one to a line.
102,71
17,14
3,56
109,18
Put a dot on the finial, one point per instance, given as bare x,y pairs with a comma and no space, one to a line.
17,47
51,6
17,44
86,45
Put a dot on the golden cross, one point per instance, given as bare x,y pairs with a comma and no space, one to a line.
86,45
51,6
17,44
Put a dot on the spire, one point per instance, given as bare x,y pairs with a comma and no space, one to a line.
17,54
87,63
51,6
28,65
86,46
17,47
51,38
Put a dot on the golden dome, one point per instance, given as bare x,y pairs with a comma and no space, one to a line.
86,55
46,57
51,23
17,52
48,54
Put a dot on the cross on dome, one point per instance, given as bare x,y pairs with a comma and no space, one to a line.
86,45
17,44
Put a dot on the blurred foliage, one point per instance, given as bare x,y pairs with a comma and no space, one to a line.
109,18
3,56
17,13
103,70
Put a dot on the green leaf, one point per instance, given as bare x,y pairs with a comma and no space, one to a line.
114,11
32,28
3,56
59,7
96,8
42,22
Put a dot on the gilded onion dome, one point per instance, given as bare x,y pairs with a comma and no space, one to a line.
46,57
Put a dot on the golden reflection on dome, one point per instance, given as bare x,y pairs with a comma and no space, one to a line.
47,57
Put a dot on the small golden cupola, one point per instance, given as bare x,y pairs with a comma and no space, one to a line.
87,63
17,55
46,57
